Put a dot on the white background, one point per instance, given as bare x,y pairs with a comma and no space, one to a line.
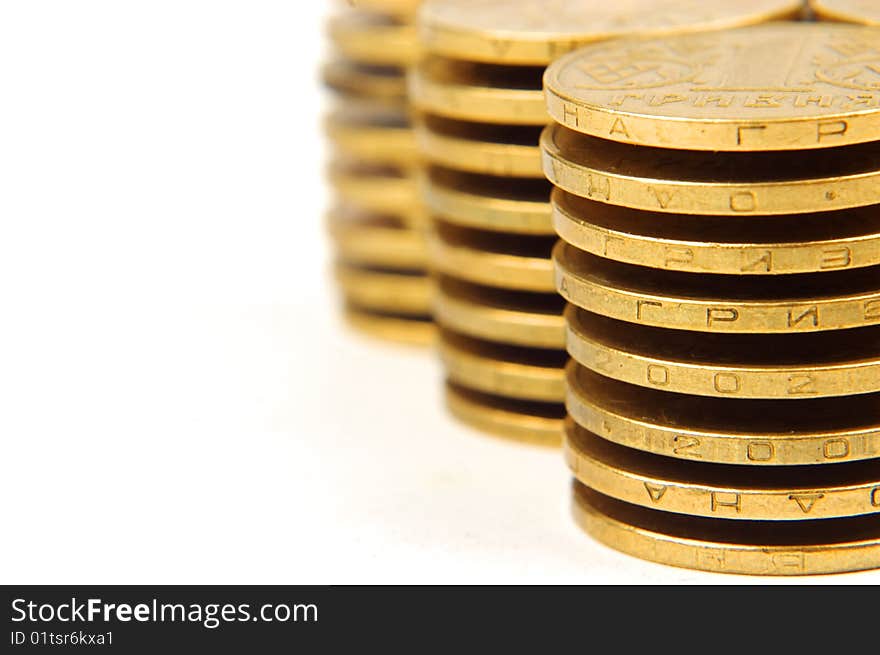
179,402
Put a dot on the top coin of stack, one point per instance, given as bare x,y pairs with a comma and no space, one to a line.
482,111
717,199
375,224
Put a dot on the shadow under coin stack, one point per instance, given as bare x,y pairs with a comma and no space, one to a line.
478,91
381,255
724,316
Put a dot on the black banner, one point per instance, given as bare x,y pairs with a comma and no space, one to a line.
331,619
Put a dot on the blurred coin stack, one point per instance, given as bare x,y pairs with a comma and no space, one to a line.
376,223
479,94
865,12
717,197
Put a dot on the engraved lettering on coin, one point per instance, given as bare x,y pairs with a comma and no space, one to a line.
780,86
639,69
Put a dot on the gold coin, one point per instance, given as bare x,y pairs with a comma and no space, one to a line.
403,8
509,371
686,301
376,241
386,83
538,31
478,92
505,151
390,327
791,367
374,39
385,291
866,12
489,203
732,184
805,243
783,86
373,133
745,547
508,261
378,189
529,422
721,490
515,318
725,431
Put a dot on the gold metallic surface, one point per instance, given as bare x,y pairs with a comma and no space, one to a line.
537,31
724,546
488,203
685,301
388,327
372,133
718,490
806,243
497,260
376,241
716,196
480,126
385,291
480,148
519,319
379,83
476,92
373,39
865,12
382,190
725,431
691,182
538,424
772,87
403,8
786,367
507,371
377,224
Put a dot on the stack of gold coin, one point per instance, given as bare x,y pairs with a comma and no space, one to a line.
376,224
717,200
865,12
478,91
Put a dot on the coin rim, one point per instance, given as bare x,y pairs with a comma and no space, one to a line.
518,427
754,316
480,157
476,103
499,325
675,550
395,329
471,210
530,48
714,257
492,269
702,198
644,434
696,133
679,496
